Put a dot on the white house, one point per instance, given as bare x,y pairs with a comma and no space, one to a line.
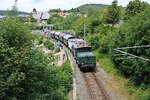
40,16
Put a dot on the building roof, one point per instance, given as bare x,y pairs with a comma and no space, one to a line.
45,15
41,15
36,15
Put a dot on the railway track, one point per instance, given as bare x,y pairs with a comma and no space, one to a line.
94,86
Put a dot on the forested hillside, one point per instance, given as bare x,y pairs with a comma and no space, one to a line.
5,12
85,8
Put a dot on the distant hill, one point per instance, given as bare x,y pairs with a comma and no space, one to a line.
86,7
5,12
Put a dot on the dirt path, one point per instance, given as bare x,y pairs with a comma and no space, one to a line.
61,57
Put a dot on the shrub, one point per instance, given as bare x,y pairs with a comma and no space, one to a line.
49,45
57,50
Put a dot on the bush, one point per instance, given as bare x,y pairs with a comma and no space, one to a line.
49,45
15,33
40,40
57,50
94,41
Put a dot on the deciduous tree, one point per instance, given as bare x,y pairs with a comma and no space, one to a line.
134,7
112,14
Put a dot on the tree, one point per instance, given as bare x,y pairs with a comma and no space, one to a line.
33,20
57,20
55,10
112,14
70,20
79,26
15,33
134,7
49,45
14,11
15,45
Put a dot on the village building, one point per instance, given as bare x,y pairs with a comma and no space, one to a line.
62,14
40,16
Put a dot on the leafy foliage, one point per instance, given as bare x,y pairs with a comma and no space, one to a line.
49,45
85,8
112,14
5,12
33,20
55,10
24,72
79,26
134,7
132,33
15,33
57,50
69,21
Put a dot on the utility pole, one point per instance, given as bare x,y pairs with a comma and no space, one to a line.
84,32
14,9
15,3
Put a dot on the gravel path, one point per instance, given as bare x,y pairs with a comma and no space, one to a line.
61,59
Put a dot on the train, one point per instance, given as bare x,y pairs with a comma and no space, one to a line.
80,49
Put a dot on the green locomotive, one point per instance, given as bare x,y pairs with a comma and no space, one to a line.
83,55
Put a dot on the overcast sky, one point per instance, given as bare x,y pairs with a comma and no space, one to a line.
45,5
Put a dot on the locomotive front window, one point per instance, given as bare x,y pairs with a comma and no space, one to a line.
85,54
84,49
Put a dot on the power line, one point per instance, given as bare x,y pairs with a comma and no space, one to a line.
123,53
144,46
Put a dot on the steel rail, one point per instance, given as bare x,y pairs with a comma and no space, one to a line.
95,89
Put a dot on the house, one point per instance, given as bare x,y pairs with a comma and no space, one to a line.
63,14
40,16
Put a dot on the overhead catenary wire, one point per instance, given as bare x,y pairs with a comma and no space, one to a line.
128,57
129,54
143,46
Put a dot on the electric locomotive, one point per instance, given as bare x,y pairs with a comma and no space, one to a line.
83,55
81,51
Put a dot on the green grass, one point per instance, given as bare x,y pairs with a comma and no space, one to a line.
107,64
130,91
56,58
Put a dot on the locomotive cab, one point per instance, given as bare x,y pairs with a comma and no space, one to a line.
86,60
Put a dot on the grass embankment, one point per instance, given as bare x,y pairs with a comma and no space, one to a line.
120,83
